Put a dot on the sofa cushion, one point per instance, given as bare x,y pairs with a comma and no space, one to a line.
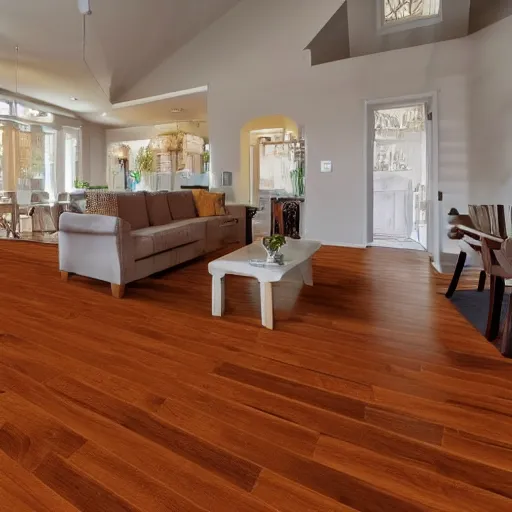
131,207
100,202
204,203
158,208
157,239
209,204
181,205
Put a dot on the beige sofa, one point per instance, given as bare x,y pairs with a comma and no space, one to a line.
142,234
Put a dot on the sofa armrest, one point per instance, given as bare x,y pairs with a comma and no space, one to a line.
239,212
236,210
92,224
96,246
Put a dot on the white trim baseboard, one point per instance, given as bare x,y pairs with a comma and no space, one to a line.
348,245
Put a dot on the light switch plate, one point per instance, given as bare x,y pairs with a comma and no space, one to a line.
325,166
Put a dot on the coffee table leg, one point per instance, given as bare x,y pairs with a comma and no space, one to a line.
307,272
267,306
218,300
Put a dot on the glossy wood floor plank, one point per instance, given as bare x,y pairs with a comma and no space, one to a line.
370,395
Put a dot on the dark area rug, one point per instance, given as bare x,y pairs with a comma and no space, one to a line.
474,306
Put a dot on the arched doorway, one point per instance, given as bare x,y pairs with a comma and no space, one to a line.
272,171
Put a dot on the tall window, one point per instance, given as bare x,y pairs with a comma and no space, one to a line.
396,10
71,157
5,108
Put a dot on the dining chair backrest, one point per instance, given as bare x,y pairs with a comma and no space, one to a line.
40,196
494,219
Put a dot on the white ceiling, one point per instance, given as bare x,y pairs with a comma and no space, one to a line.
126,39
193,108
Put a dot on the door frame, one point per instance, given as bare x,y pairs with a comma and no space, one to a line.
432,127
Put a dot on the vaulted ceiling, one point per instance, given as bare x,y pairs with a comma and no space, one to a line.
125,39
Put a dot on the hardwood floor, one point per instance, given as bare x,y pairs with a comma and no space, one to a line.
372,394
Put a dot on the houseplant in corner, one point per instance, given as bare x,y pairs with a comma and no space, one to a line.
272,245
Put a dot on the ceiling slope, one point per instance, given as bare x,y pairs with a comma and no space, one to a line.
126,39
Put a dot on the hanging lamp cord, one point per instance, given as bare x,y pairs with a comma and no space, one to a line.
84,58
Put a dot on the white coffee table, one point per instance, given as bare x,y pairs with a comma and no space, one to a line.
297,266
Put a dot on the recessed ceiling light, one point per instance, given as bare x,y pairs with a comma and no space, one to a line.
104,114
177,110
73,98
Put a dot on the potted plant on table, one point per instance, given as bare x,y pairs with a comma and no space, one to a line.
272,245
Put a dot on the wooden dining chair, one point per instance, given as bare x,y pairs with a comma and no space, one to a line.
485,234
497,259
482,219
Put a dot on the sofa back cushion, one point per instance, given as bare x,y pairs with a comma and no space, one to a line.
131,207
181,205
158,208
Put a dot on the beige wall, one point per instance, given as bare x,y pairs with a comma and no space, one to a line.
327,100
490,170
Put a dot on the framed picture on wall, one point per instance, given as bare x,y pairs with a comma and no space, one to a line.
227,179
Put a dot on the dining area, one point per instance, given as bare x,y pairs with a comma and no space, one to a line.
484,236
32,215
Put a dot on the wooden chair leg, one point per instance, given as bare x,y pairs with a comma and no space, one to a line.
495,303
456,274
64,275
506,341
481,281
118,290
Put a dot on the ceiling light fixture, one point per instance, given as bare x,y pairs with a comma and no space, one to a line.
104,114
84,6
73,98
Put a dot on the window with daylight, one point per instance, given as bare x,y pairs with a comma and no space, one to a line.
71,157
5,108
408,14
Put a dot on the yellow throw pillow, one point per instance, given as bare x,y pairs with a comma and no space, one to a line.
205,203
220,203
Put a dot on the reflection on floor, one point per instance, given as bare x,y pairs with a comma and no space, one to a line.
28,236
396,243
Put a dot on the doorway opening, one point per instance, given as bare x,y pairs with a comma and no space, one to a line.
400,148
273,162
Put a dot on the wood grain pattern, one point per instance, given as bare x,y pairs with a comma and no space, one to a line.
367,396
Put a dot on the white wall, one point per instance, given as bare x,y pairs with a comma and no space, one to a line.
94,154
491,115
254,63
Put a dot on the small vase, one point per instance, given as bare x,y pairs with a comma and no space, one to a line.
273,256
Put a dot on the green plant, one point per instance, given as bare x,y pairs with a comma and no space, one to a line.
274,242
144,160
81,184
136,176
298,181
206,162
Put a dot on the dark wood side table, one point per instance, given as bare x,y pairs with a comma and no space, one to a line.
250,212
